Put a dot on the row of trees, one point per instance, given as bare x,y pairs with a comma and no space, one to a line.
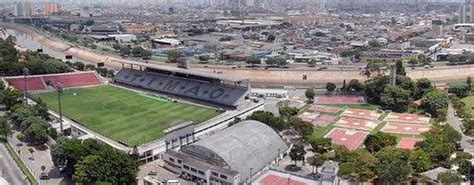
464,58
90,161
14,62
461,90
136,51
103,71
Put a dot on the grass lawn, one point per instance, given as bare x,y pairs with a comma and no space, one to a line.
469,101
320,132
356,106
124,115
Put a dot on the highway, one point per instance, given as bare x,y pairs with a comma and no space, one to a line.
9,169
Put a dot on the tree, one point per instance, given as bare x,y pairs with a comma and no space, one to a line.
378,141
87,170
392,165
355,85
89,22
318,161
423,86
43,168
140,52
297,153
79,66
449,178
5,128
287,112
400,68
375,87
420,161
374,44
395,98
21,113
321,145
31,150
330,87
309,93
280,61
303,127
268,118
312,63
42,110
11,97
459,89
439,142
433,101
174,55
469,83
253,60
36,133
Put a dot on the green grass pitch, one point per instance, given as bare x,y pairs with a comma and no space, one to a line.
469,101
123,115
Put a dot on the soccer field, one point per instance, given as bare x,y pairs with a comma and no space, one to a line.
127,116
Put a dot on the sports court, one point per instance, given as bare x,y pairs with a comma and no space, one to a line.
408,143
360,113
324,120
308,116
275,178
351,139
340,100
407,118
403,128
325,109
356,123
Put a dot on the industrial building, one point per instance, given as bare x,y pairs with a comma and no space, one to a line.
231,156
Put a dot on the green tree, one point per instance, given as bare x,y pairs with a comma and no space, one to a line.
378,141
321,145
392,165
280,61
89,22
297,153
459,89
400,69
36,134
271,38
309,93
79,66
330,87
355,85
253,60
469,83
11,97
395,98
5,128
374,88
269,119
318,161
449,178
433,101
21,113
423,86
174,55
42,110
287,112
465,167
420,161
303,127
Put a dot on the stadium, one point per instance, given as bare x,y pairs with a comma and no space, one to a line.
148,108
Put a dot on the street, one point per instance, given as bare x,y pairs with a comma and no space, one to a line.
455,122
9,169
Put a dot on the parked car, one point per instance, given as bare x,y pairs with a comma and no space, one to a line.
44,176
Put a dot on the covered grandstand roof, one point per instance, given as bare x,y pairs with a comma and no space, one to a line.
225,77
248,144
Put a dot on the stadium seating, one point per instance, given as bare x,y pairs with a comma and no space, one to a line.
68,80
221,94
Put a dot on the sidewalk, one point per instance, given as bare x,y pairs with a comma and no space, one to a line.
35,160
455,122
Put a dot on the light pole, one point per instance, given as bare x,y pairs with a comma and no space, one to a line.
25,91
59,88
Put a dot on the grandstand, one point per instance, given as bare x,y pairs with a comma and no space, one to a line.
42,83
203,88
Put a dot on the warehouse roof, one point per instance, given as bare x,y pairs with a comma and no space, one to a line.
244,146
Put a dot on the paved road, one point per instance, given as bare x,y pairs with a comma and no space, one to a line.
456,124
9,169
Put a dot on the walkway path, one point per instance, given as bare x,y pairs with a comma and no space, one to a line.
455,122
9,169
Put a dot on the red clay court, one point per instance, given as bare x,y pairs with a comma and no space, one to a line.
324,120
340,100
351,139
356,123
278,178
408,143
403,128
308,116
325,109
68,80
360,113
407,118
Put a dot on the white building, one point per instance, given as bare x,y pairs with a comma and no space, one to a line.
124,38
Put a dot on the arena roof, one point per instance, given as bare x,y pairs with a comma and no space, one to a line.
245,146
225,77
